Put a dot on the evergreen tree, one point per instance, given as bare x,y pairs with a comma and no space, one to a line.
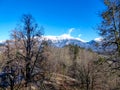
110,26
110,29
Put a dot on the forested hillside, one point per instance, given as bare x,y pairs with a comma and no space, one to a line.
67,68
29,62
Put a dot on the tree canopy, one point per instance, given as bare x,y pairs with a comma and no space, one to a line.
110,25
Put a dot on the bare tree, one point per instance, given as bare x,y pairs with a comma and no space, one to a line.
74,51
27,35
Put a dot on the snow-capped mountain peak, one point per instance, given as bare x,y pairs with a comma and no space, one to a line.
62,37
99,39
65,39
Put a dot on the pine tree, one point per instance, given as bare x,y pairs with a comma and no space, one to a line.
110,25
110,30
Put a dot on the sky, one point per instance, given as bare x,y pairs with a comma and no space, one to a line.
76,18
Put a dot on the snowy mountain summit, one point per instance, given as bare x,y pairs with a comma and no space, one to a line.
61,41
64,40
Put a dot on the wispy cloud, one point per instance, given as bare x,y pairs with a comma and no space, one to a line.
71,30
79,35
68,35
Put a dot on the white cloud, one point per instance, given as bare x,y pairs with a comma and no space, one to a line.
67,35
79,35
70,31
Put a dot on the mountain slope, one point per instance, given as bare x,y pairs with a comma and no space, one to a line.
59,41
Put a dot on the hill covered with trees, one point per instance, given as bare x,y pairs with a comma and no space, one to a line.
27,62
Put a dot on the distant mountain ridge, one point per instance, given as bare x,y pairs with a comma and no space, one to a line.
59,41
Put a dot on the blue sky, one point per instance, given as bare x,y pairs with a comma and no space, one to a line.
58,17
